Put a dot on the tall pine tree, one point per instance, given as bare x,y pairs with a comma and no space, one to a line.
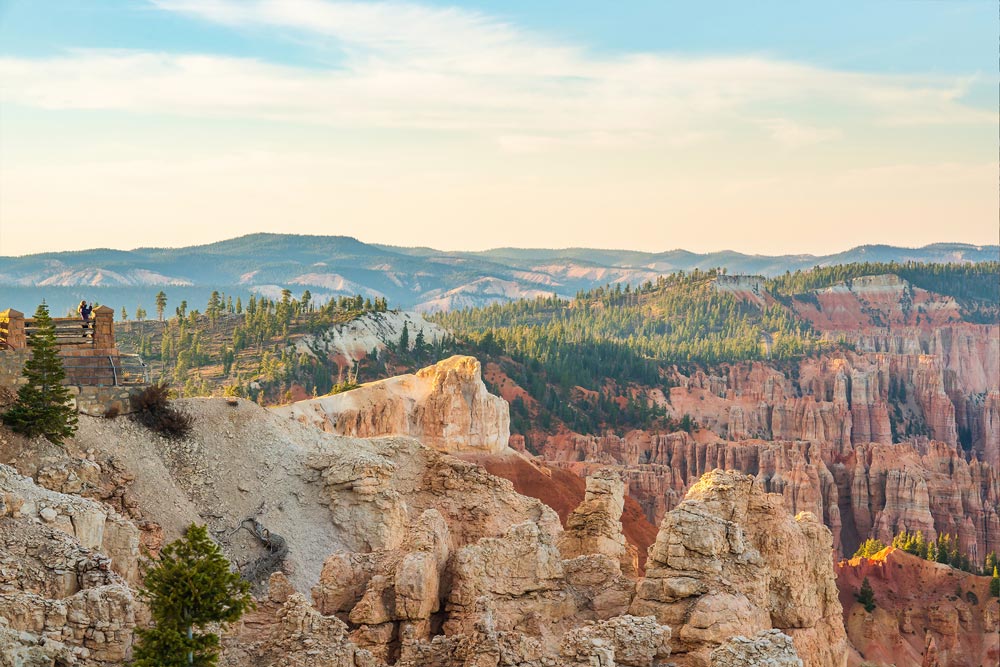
190,588
161,303
43,404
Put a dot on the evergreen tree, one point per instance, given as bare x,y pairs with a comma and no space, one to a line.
869,548
990,562
214,307
419,344
190,588
43,404
404,339
161,303
866,596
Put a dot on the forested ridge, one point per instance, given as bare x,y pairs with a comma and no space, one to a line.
623,341
618,343
241,349
603,359
976,287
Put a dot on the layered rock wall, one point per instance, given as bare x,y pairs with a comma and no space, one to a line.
61,598
445,406
730,560
822,433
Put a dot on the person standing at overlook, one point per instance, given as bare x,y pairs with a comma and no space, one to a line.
84,309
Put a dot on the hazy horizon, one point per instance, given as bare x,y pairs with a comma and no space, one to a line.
766,128
461,249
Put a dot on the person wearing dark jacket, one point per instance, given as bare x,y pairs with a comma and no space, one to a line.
85,311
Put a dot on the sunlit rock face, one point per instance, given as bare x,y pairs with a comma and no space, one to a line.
901,433
62,601
446,406
731,560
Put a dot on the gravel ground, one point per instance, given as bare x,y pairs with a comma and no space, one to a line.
240,462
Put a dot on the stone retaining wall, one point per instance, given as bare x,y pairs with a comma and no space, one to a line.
11,366
104,401
90,400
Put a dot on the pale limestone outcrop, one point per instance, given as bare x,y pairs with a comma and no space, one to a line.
446,406
595,526
375,493
94,525
768,648
530,589
54,587
517,585
390,596
623,641
294,635
627,640
388,592
731,560
23,649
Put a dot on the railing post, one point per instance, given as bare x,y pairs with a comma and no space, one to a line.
14,321
104,328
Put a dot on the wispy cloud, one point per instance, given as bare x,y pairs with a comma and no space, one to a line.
411,66
412,120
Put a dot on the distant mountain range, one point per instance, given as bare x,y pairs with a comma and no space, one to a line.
423,279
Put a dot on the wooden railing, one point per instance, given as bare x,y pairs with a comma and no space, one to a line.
68,330
71,332
87,349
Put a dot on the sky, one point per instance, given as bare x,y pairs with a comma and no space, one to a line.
764,127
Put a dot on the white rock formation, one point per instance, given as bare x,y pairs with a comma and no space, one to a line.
446,406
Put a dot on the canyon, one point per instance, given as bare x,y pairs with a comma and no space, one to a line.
416,530
398,552
899,434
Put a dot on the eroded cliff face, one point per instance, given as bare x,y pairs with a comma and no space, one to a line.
62,599
595,526
399,553
446,406
428,560
925,614
389,544
730,560
873,301
871,490
903,434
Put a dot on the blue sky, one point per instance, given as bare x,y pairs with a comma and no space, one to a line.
955,36
762,126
